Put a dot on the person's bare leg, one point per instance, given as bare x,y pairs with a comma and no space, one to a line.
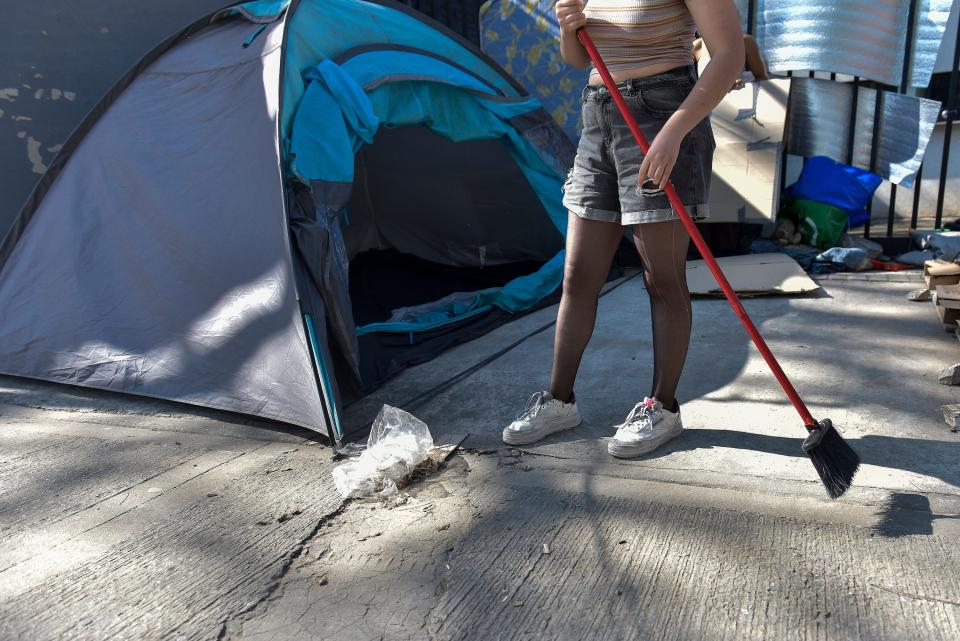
591,245
663,249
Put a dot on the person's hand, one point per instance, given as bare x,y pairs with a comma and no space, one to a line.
570,16
660,159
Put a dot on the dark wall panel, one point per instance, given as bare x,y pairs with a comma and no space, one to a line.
57,59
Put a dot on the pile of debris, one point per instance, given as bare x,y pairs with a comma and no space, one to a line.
816,217
942,280
942,287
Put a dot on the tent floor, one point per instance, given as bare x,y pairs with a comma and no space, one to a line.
384,280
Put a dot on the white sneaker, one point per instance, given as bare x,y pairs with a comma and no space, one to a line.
543,416
648,426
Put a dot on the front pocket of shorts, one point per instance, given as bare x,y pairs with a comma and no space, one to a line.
663,100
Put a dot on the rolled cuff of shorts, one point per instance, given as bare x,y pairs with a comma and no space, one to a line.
593,213
697,212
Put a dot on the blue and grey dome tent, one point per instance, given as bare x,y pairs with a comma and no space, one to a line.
280,207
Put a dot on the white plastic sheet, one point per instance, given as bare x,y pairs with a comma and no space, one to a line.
398,442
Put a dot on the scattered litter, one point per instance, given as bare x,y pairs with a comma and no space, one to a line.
950,413
916,257
286,517
508,456
944,244
890,266
920,295
786,232
154,490
546,548
322,580
517,603
950,375
350,450
914,596
210,495
441,528
400,449
852,258
874,250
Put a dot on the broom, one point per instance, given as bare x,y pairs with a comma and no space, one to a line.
835,461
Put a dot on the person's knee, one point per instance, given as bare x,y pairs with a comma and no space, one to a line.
666,284
581,284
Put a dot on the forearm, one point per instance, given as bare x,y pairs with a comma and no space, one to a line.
713,85
572,51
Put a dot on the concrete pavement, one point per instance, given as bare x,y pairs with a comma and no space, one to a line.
123,518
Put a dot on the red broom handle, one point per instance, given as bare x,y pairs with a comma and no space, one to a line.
697,238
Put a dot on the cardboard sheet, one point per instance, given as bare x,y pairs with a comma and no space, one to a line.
938,267
753,274
748,127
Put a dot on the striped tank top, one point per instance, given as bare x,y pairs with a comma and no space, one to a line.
632,34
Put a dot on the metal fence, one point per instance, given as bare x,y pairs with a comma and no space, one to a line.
462,16
944,89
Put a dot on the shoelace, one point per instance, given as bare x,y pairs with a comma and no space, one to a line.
639,419
534,403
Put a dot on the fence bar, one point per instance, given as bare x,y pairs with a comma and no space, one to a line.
951,110
751,16
874,139
892,211
918,181
852,130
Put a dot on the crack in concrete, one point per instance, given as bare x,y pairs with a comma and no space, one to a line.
441,589
281,574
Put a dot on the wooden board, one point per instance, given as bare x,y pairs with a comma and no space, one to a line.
948,315
933,281
948,293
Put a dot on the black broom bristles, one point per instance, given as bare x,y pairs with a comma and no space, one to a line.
834,460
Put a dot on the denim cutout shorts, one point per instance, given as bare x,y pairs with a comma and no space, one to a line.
603,182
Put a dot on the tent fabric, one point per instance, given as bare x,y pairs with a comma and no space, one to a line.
337,116
321,139
258,11
124,283
320,246
190,242
313,37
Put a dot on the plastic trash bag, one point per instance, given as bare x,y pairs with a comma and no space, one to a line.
945,245
820,225
827,181
850,258
398,442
